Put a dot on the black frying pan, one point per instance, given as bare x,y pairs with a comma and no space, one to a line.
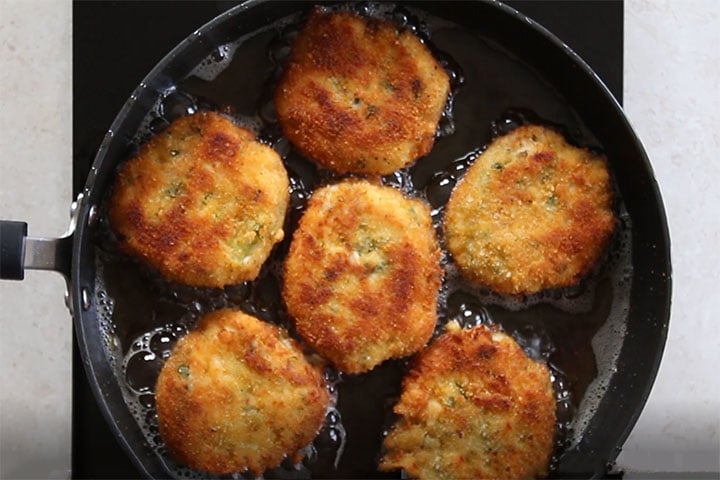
541,75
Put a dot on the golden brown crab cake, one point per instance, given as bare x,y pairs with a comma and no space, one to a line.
238,393
473,406
362,275
533,212
203,202
360,94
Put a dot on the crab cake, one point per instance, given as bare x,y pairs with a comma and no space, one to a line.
533,212
360,95
237,394
473,406
362,275
202,202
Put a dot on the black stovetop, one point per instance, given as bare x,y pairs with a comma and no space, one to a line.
115,44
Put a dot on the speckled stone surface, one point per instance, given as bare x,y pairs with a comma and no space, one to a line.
35,186
672,73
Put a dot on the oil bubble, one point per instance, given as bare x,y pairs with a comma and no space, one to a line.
439,188
142,371
177,104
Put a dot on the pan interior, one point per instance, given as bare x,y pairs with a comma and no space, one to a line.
578,331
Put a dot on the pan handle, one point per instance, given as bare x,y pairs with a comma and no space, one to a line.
18,252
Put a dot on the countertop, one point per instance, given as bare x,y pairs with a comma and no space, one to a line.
672,70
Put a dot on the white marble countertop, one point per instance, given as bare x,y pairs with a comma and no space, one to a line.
672,79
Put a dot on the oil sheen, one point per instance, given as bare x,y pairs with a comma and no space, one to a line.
574,330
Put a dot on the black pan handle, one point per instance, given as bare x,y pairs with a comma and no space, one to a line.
18,252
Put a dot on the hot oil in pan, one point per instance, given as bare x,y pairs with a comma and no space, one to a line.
577,331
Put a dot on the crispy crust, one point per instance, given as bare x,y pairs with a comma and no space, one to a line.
362,275
532,213
238,394
202,202
473,406
360,95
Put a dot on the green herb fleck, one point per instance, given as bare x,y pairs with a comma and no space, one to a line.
184,370
388,86
497,166
367,245
174,190
380,267
552,200
462,390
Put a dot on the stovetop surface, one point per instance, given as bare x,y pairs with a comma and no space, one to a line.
115,44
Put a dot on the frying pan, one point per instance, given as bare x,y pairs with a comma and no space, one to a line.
585,104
